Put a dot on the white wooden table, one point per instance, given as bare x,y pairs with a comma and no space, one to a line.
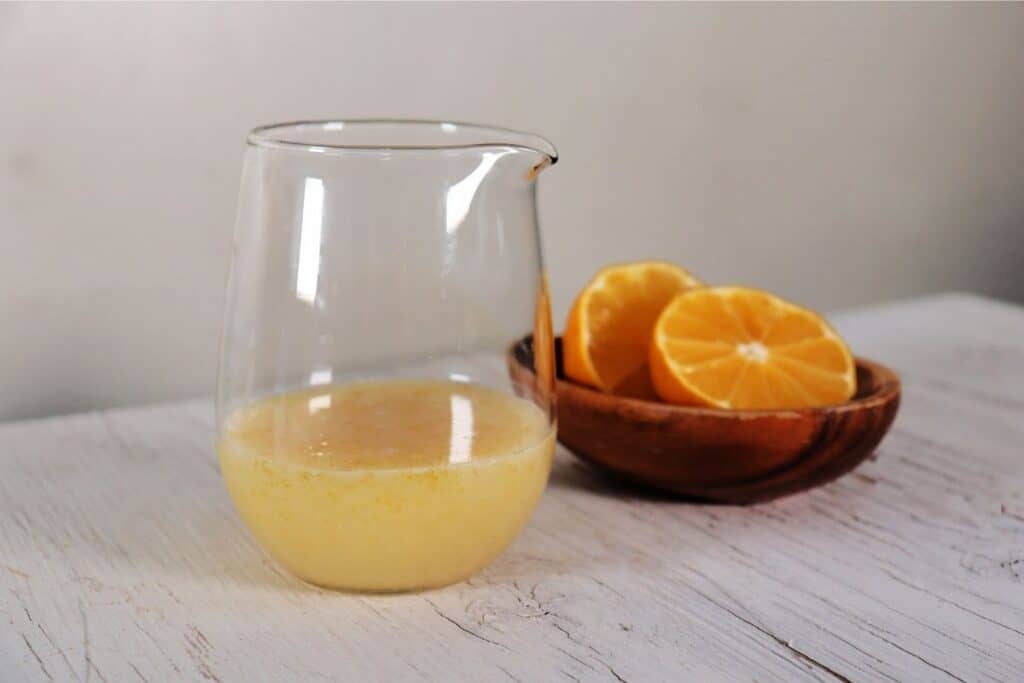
121,558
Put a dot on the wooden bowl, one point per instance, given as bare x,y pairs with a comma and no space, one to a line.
731,456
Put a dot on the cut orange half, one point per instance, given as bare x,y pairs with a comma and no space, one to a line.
733,347
608,333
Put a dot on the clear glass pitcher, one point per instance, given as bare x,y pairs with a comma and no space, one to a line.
382,272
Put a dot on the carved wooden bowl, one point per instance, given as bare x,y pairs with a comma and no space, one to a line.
730,456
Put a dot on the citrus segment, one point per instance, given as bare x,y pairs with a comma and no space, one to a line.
734,347
608,333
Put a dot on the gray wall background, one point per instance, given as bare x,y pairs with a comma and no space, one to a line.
839,154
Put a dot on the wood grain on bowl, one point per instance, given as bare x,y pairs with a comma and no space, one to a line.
733,456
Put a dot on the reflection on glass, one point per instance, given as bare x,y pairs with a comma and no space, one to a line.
318,403
308,272
460,195
461,430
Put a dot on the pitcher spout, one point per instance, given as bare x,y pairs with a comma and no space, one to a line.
546,160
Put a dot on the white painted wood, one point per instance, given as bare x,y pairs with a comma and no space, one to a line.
121,558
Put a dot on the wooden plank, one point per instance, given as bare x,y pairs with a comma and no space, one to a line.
121,558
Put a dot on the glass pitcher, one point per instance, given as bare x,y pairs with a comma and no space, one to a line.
369,432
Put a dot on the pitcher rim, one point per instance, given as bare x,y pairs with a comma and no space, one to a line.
276,135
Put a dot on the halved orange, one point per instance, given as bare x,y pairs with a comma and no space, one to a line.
608,333
734,347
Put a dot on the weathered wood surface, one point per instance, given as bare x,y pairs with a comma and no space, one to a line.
121,558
